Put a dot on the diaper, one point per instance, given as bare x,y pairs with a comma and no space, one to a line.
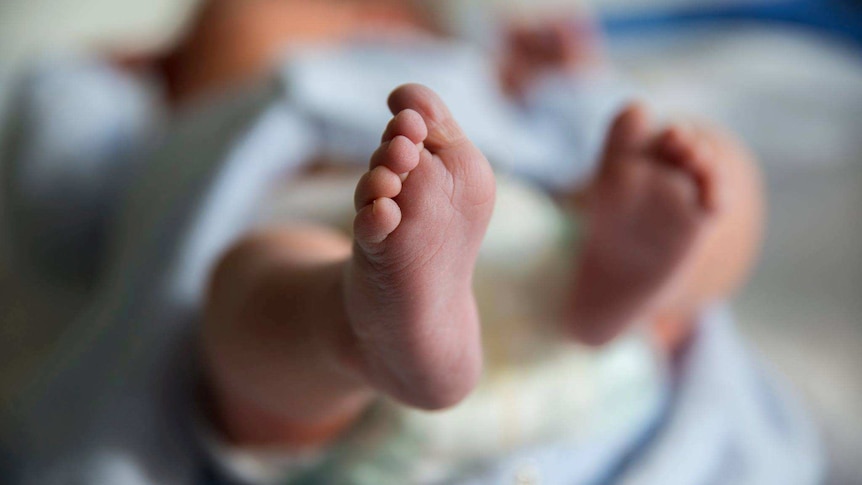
537,387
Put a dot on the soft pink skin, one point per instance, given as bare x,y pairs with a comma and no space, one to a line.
408,290
654,199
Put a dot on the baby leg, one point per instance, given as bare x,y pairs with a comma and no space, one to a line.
302,327
274,321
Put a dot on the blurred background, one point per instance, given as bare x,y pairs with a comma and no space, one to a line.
786,75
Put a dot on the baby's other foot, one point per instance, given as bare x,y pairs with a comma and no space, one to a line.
648,209
422,212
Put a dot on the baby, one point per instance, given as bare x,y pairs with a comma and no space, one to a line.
304,328
673,221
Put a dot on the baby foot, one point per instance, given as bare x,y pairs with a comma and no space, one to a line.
423,209
650,205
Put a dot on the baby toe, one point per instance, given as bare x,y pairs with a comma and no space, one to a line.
375,222
629,134
376,183
674,146
406,123
443,130
684,149
400,155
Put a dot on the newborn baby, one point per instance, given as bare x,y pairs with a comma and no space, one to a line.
409,327
303,329
650,252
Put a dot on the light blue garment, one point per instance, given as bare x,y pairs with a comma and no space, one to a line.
116,405
731,420
552,139
116,396
75,126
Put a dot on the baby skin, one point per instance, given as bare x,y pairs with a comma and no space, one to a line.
304,327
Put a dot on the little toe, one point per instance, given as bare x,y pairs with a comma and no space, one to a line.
400,155
375,222
376,183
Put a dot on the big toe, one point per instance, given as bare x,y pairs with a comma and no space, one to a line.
443,130
629,133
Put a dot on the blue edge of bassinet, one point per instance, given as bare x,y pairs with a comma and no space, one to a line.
838,18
